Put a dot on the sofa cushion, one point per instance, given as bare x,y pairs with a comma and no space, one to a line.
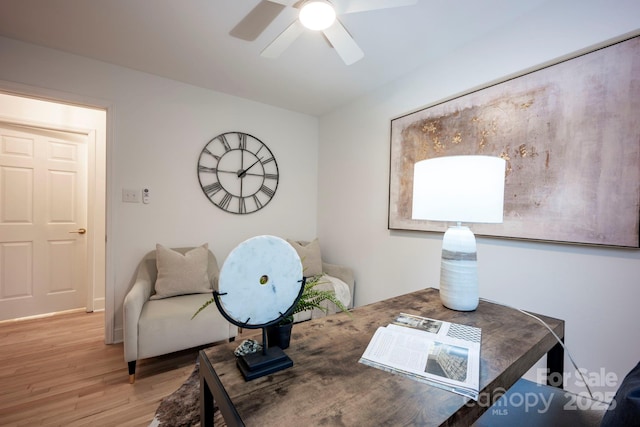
310,256
180,274
166,325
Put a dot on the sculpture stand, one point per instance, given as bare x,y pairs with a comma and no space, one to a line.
266,362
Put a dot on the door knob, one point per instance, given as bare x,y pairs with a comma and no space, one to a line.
79,231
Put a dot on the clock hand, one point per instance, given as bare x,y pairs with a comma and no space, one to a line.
252,174
242,173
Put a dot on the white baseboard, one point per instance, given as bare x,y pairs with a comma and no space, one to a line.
118,336
98,304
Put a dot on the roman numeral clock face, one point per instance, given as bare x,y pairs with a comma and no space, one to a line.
238,172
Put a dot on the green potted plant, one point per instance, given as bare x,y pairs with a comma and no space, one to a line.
311,298
280,333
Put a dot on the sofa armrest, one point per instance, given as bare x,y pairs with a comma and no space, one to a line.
132,308
343,273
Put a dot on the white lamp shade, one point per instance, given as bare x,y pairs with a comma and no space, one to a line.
459,188
317,15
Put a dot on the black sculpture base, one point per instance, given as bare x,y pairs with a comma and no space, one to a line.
263,363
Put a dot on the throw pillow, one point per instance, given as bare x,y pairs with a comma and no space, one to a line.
180,274
310,256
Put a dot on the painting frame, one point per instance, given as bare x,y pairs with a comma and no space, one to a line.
568,132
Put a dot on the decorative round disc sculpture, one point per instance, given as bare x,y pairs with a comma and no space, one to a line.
260,282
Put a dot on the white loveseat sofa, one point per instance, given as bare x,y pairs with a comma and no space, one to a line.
159,320
158,316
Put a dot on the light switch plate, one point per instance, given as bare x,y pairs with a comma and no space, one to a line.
130,196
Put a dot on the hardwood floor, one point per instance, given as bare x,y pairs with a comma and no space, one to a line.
57,371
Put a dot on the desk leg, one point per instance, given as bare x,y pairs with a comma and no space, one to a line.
206,404
211,389
555,366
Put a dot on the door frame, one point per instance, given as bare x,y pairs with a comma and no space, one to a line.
98,215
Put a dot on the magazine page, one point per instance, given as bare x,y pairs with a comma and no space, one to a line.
440,353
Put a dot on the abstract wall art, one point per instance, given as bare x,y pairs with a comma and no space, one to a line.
570,133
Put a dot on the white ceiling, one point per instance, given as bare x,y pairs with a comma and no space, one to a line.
188,41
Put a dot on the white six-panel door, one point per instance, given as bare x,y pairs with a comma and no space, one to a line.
43,211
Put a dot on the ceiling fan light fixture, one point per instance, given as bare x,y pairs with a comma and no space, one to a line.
317,15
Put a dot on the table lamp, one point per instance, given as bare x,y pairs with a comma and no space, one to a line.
459,189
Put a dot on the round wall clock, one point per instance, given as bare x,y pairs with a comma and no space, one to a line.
238,172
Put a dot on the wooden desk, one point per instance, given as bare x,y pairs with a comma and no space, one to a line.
327,385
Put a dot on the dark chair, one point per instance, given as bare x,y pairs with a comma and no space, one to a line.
530,404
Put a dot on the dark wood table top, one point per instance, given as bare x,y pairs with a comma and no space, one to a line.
327,385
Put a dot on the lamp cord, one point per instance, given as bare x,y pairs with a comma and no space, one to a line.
566,349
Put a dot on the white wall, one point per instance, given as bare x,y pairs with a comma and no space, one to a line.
595,290
157,128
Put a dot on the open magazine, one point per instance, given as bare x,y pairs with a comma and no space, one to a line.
443,354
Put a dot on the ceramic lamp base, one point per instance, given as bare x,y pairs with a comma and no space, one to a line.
459,270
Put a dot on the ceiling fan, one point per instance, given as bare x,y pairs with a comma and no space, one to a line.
256,21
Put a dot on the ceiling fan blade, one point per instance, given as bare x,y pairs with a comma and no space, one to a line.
283,41
257,20
354,6
343,43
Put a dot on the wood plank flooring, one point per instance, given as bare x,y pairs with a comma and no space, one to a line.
57,371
